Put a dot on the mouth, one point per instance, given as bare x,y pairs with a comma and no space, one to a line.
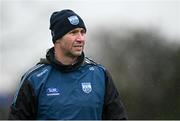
78,45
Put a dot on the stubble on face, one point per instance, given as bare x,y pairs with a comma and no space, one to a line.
72,44
77,48
72,50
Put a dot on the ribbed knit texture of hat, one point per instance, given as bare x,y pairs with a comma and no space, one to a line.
61,22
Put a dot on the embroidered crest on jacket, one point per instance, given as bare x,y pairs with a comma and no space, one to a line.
86,87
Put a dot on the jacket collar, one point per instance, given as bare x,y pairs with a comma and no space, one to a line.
58,65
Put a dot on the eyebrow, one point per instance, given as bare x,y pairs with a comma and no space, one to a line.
77,30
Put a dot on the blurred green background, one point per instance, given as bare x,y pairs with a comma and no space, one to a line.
137,40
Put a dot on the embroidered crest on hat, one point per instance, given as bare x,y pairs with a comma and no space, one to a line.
73,20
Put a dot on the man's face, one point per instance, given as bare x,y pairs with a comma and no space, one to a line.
72,43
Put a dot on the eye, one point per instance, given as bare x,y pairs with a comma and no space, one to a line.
77,31
83,31
73,32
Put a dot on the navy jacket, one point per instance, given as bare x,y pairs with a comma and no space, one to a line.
51,90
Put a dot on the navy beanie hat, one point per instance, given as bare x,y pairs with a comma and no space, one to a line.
61,22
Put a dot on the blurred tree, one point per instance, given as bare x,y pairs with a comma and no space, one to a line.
146,70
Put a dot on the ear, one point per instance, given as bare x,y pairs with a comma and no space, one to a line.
57,41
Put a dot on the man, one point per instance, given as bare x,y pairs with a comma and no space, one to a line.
67,85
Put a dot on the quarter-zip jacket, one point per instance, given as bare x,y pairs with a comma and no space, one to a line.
51,90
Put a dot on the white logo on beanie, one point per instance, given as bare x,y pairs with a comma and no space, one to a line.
73,20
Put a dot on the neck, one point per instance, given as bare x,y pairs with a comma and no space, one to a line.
65,60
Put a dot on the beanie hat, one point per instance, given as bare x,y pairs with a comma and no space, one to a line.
61,22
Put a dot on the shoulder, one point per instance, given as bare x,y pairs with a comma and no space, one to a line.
25,79
36,71
100,66
90,61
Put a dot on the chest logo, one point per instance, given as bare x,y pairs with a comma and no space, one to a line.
52,91
86,87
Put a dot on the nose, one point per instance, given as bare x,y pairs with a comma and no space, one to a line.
80,37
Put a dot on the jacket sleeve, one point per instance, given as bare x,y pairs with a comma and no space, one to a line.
24,104
113,107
